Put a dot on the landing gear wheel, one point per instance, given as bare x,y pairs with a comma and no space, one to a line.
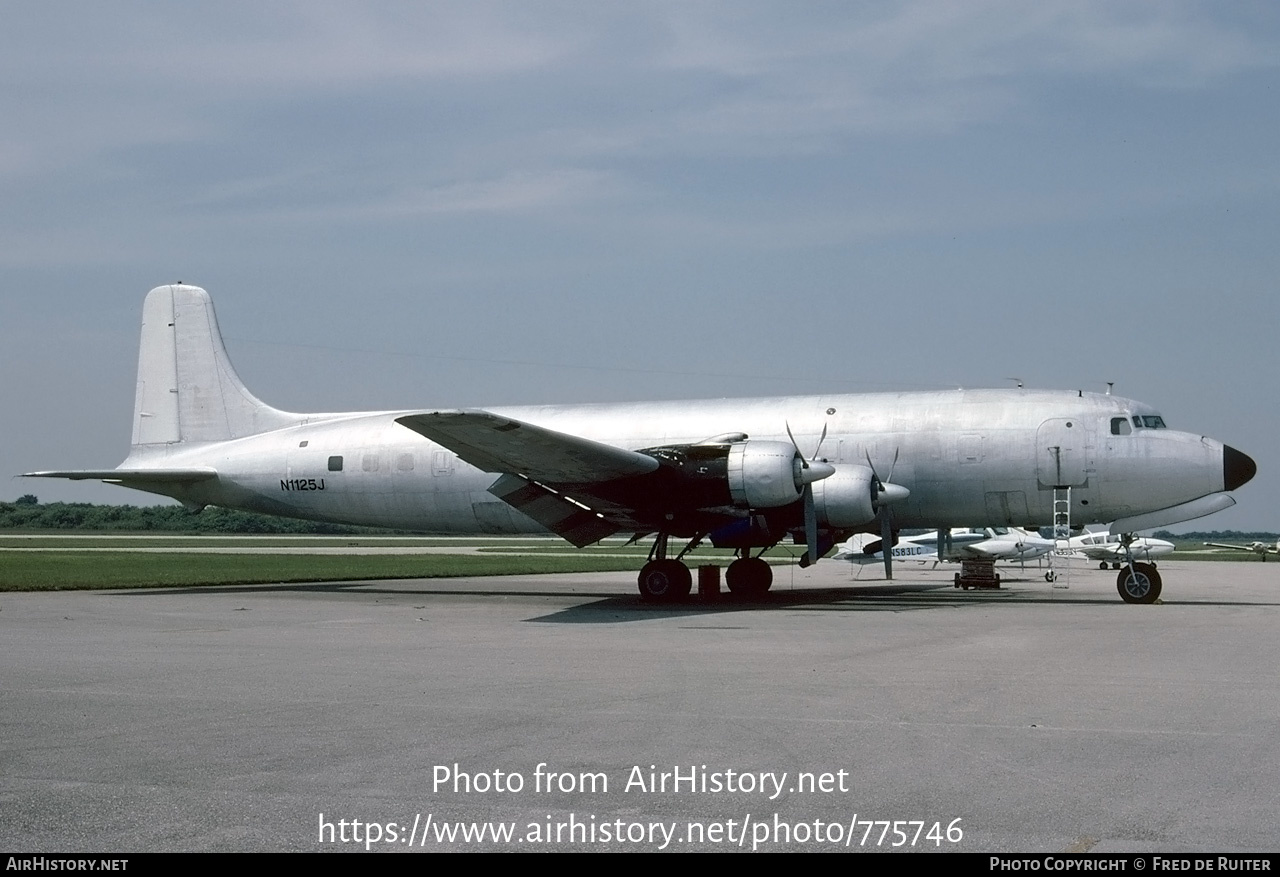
748,577
665,581
1113,566
1141,585
1103,565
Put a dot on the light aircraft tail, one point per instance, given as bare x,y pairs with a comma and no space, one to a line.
187,388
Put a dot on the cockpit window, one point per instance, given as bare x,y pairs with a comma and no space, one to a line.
1120,425
1148,421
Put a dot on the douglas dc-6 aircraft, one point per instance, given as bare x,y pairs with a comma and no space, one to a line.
744,473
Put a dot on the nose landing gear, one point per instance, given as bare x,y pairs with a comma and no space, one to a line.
1139,583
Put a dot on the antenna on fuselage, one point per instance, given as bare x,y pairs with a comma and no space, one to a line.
1110,385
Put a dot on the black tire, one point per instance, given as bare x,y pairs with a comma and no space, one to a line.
1102,565
1142,585
748,577
665,581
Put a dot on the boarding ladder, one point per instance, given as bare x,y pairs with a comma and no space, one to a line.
1061,538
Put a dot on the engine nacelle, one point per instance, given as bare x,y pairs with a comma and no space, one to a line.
764,474
843,500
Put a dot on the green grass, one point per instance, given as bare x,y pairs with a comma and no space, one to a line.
154,540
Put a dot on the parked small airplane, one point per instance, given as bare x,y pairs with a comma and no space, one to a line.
744,473
1107,548
989,543
1261,549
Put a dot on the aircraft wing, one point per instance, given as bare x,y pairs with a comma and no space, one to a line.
1097,552
1234,547
493,443
985,550
531,459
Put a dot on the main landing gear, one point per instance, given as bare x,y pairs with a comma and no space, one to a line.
665,581
748,576
668,580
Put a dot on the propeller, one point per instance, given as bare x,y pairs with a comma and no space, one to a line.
810,471
885,493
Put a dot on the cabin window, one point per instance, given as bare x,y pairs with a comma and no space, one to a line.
369,463
1120,426
335,464
1148,421
303,444
404,462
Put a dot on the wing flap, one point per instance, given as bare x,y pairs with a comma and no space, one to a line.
570,520
493,443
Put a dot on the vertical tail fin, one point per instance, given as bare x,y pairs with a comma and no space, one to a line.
187,388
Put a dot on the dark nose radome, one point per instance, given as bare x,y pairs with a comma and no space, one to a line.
1237,468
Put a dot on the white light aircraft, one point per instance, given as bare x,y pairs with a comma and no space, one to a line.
1261,549
1108,548
744,473
988,543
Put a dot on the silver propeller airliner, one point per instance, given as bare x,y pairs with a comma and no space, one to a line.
741,473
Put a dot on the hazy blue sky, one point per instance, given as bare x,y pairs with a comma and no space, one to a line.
403,205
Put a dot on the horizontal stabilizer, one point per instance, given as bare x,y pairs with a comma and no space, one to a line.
132,476
493,443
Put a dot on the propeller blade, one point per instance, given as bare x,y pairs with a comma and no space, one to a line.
804,464
810,526
822,438
886,539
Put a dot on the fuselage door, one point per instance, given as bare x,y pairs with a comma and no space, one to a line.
1063,449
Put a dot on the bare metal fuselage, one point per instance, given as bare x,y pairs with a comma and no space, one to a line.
969,457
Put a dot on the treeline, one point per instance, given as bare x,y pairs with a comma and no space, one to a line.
1218,536
27,514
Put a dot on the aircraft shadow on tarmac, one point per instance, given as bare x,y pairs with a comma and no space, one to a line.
622,608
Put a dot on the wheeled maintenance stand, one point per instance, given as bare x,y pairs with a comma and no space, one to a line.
977,574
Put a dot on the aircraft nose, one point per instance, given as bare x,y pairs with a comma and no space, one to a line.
1237,468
